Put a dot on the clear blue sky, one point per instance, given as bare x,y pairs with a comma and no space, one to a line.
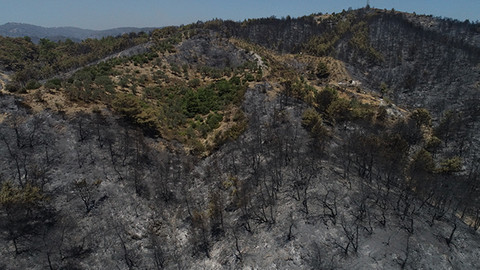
104,14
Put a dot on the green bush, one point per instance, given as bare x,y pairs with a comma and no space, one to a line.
339,110
422,117
175,69
32,84
319,132
197,147
203,128
105,82
367,112
139,59
451,165
27,196
325,97
235,80
53,84
433,144
322,71
139,113
12,87
128,105
422,162
249,77
233,132
194,83
210,98
213,120
310,118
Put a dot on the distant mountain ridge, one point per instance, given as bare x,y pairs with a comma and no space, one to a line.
36,32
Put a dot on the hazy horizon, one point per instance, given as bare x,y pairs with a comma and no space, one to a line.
107,14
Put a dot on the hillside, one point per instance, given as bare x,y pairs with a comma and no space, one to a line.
330,141
62,33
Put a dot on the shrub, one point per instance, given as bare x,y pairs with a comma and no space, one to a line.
26,196
451,165
12,87
140,114
194,83
422,162
310,118
203,128
340,110
175,69
433,144
381,114
249,77
53,84
325,97
422,117
197,147
322,71
235,80
233,133
213,120
128,105
32,84
105,82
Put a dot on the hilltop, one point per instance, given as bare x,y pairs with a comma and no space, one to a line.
329,141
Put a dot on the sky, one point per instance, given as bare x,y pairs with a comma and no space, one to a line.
106,14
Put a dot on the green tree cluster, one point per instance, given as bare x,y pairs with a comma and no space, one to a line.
138,112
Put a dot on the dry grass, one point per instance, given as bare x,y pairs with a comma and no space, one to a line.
282,67
278,69
3,77
320,18
55,100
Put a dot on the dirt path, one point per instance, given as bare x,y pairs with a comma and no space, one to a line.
135,50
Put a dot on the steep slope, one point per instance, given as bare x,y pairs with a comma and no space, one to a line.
213,152
267,200
414,61
416,54
422,66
